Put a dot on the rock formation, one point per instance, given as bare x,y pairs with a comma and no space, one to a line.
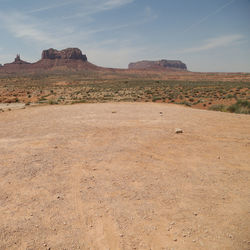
160,65
68,59
17,61
70,53
72,59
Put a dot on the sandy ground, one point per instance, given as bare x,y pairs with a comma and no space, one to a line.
116,176
11,106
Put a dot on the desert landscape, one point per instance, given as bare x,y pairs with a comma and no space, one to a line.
66,77
137,158
124,125
118,176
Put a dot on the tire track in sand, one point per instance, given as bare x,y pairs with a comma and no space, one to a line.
94,232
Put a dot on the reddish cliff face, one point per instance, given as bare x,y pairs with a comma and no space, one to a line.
52,59
72,59
160,65
70,53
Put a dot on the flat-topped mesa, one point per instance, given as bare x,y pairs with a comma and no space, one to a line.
70,53
161,64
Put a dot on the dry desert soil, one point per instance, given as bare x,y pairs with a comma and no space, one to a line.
117,176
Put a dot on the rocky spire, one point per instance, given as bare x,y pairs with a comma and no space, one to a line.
17,59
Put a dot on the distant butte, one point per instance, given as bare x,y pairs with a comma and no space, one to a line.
51,59
159,65
70,54
74,60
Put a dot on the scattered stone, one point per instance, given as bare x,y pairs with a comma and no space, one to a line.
194,240
175,239
195,214
121,235
230,236
172,223
178,131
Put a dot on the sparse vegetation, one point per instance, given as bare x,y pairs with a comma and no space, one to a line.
218,107
240,107
92,87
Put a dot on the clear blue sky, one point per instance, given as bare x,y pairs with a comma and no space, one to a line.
207,35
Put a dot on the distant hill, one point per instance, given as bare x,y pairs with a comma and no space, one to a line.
71,59
159,65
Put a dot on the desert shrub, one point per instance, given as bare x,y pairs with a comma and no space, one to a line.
240,107
156,98
53,102
197,102
149,92
186,103
218,107
229,96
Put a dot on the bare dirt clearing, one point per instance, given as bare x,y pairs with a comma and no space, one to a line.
116,176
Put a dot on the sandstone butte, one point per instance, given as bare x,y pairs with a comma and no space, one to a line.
162,64
73,59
